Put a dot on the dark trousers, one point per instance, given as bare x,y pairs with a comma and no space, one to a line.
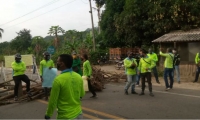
168,72
91,89
155,72
197,74
17,80
47,91
147,76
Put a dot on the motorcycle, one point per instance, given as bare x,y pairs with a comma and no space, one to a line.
103,60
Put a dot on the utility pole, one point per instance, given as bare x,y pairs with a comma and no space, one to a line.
94,45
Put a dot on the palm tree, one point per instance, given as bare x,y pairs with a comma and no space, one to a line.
55,30
1,31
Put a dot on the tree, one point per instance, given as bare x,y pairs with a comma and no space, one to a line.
1,31
55,30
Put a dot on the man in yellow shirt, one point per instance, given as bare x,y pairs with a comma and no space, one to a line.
197,62
66,91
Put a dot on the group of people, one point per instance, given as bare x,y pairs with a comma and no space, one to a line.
141,67
67,89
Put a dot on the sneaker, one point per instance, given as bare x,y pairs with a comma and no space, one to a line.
134,92
126,92
142,93
94,96
15,98
151,94
158,82
29,93
167,89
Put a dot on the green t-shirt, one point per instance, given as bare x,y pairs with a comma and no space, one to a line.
44,64
18,68
87,69
168,60
153,56
65,96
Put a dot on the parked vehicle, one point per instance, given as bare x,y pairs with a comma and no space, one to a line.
103,60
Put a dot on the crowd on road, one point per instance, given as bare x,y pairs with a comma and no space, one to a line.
140,67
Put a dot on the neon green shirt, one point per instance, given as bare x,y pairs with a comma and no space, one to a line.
197,58
18,68
146,64
44,64
127,63
87,69
65,96
168,60
153,56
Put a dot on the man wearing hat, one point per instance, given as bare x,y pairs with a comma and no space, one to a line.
76,66
19,69
46,63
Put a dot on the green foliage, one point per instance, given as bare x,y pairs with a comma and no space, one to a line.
95,55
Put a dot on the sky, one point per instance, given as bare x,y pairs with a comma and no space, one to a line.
39,15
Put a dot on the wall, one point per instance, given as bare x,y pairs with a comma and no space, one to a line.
193,48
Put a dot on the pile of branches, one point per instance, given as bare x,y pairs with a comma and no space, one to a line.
100,78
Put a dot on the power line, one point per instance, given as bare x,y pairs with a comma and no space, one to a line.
31,12
41,14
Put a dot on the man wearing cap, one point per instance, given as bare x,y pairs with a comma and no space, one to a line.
154,57
46,63
197,62
168,68
145,66
76,66
130,65
19,69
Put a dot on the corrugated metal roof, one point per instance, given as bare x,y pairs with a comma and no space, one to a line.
180,36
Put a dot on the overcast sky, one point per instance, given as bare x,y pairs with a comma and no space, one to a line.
74,14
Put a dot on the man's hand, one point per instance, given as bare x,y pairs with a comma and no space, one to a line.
46,117
50,67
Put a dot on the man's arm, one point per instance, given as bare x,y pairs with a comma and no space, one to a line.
89,69
15,68
127,64
41,69
23,67
53,98
139,66
196,58
155,57
163,54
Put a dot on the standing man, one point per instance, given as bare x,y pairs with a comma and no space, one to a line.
168,68
76,66
130,66
145,66
154,57
176,64
197,62
66,91
87,71
19,69
45,63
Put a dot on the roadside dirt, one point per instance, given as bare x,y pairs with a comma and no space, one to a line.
185,82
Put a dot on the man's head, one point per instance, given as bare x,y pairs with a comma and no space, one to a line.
46,55
84,57
174,51
169,50
74,55
143,52
18,57
64,61
130,54
150,50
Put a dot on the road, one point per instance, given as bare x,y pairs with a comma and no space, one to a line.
112,103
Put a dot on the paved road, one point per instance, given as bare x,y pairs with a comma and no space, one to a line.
112,103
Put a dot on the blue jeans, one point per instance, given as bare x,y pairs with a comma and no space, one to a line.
176,68
131,79
155,72
138,78
197,74
168,72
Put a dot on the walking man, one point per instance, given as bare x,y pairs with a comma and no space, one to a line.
87,71
45,63
176,64
66,91
197,62
130,65
168,68
19,69
154,57
145,66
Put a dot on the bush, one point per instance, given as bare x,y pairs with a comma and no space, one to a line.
95,55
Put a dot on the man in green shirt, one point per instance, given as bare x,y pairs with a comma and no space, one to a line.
66,91
168,68
19,69
145,66
45,63
76,66
130,66
87,71
154,57
197,62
